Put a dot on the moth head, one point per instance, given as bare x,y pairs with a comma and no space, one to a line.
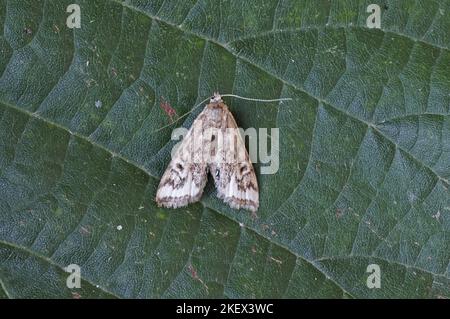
216,98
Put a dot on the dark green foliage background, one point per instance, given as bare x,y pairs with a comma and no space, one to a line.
364,148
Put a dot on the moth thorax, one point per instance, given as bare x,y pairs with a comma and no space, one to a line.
216,98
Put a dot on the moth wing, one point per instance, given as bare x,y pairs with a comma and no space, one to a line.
185,178
233,172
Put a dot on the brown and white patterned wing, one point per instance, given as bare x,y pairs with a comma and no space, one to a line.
233,172
185,178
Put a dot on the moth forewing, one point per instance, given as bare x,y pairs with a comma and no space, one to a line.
185,177
240,187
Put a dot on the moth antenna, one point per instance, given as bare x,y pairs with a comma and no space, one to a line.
221,95
182,116
257,100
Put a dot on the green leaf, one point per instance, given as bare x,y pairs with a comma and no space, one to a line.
364,148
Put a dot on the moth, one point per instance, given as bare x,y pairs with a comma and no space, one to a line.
213,145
